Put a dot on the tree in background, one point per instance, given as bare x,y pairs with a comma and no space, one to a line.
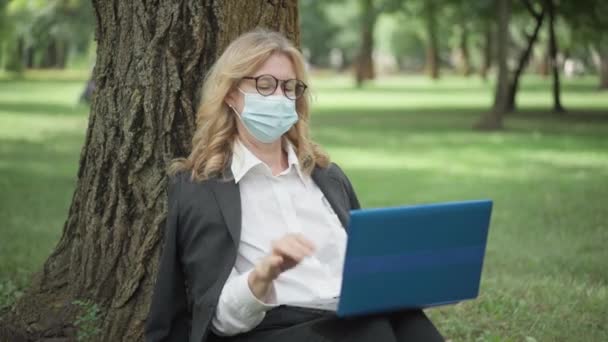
426,12
557,103
487,49
467,27
320,33
407,45
493,119
537,12
588,20
429,13
151,60
43,34
4,29
464,25
369,10
481,15
459,13
364,67
331,28
602,52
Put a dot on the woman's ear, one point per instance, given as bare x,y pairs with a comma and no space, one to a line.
228,103
230,100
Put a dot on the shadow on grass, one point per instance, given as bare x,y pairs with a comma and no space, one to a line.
571,115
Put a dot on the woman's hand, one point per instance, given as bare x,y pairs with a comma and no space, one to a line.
286,253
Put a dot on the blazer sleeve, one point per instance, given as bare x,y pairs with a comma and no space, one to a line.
169,318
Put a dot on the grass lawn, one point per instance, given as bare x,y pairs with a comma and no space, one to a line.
402,141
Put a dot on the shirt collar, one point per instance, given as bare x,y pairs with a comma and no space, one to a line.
243,160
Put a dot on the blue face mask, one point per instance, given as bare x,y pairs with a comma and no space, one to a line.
267,118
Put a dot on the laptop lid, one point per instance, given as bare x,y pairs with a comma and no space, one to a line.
413,256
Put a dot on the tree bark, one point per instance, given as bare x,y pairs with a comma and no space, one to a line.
432,45
557,103
364,69
151,60
524,58
493,119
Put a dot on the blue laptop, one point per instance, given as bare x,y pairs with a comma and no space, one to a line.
411,257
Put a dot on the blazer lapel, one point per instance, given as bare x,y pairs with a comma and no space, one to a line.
332,189
229,201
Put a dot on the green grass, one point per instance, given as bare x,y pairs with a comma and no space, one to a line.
402,141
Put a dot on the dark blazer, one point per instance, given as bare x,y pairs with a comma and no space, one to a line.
202,233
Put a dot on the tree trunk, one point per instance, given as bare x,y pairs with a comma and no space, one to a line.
465,67
347,60
604,70
557,103
364,69
15,57
49,59
432,46
486,63
602,62
523,61
28,55
493,119
62,54
151,60
543,65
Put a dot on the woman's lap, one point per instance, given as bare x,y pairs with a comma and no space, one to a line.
413,325
298,324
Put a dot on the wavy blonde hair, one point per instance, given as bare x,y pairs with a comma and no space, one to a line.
216,127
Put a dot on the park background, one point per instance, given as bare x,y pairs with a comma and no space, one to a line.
418,101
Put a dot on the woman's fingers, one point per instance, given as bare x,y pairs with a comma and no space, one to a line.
300,247
291,248
287,252
304,241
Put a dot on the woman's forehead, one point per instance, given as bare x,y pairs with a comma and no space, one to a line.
277,65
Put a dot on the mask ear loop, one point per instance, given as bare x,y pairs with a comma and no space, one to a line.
235,111
240,118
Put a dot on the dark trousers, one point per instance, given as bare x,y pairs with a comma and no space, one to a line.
295,324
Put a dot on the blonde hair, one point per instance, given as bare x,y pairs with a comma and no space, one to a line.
216,127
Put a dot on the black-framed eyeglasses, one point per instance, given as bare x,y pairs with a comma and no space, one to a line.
266,85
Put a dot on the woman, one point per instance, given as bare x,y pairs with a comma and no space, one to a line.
257,213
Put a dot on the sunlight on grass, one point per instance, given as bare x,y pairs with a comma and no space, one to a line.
38,127
569,159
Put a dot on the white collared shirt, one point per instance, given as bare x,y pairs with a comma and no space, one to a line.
273,206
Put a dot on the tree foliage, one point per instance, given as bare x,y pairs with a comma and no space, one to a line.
45,33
